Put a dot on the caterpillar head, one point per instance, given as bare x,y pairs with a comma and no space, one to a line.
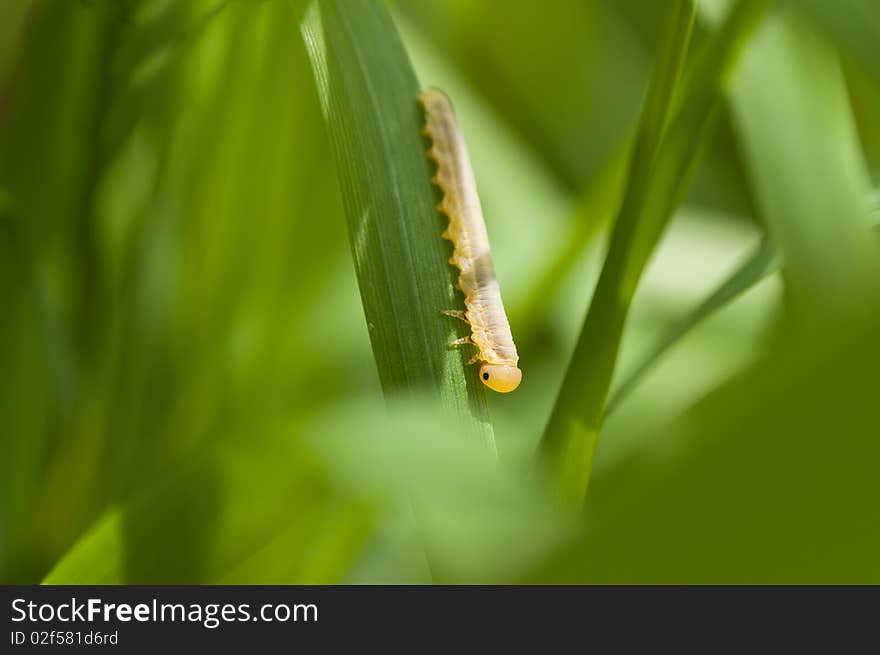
500,377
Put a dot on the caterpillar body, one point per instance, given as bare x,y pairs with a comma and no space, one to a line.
490,329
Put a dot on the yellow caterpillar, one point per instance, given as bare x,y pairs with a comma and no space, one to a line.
490,330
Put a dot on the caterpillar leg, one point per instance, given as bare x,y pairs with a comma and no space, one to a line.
473,360
462,341
456,313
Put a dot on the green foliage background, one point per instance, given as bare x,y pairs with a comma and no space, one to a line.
221,353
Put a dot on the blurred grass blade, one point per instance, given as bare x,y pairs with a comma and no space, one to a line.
461,524
652,193
211,532
810,180
593,210
762,262
632,161
369,94
13,16
662,91
49,164
853,25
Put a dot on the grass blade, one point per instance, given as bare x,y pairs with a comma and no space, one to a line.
811,183
212,495
853,25
592,211
771,476
662,89
652,194
369,94
762,262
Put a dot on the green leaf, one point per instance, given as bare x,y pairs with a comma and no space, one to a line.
369,94
801,146
762,262
60,60
772,477
769,480
461,525
13,18
660,101
853,25
205,318
593,210
330,493
656,181
221,523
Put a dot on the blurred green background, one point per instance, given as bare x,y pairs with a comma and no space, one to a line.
187,388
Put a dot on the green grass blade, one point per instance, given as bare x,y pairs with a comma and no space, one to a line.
810,181
597,204
651,197
13,17
762,262
369,94
853,25
662,90
211,533
593,210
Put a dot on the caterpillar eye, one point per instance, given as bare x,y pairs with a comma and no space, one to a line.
500,377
